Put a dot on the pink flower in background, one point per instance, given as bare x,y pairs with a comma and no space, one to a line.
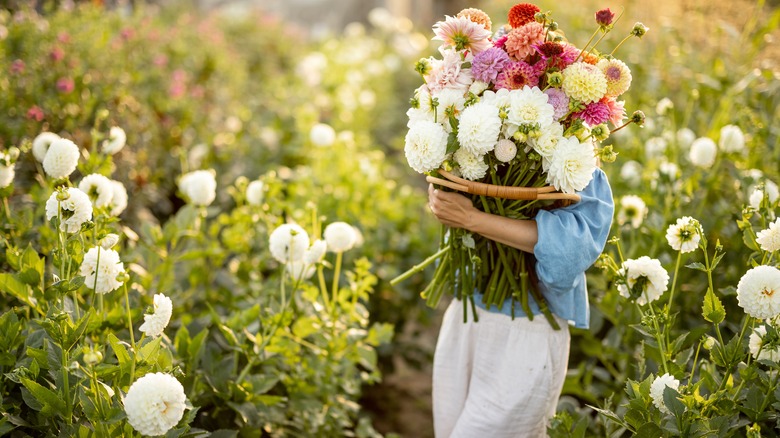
57,54
595,113
160,60
17,67
63,37
65,85
127,33
178,86
198,92
35,113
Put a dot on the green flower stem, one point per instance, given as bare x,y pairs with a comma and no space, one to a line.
129,327
620,44
695,359
66,388
417,268
588,43
336,274
323,287
671,293
434,291
657,333
98,398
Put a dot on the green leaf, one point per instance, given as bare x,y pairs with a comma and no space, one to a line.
149,351
696,265
713,310
10,284
196,347
50,402
305,326
749,237
649,430
122,356
380,333
452,142
672,401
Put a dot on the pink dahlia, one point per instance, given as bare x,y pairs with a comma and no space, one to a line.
500,42
57,54
559,100
520,42
617,111
35,113
65,85
462,34
595,113
488,64
18,66
447,73
516,75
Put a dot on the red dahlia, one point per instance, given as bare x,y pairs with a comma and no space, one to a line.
522,13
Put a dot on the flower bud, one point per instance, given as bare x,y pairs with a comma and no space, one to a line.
122,277
242,182
638,117
414,102
102,114
639,30
109,241
555,79
607,154
708,343
62,194
423,66
13,153
93,357
558,38
601,133
604,18
553,26
539,17
520,136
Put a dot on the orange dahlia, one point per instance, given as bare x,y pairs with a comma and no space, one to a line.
477,16
522,13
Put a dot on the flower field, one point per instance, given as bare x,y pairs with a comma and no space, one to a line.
202,215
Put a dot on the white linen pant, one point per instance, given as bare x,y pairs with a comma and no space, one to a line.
497,377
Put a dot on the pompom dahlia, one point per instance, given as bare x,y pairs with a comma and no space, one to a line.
758,292
254,192
521,41
479,128
684,235
584,82
462,34
572,165
472,167
487,64
646,272
100,268
426,146
322,135
155,403
516,75
339,236
200,187
505,150
477,16
522,13
731,139
657,390
61,159
759,350
41,143
299,270
769,239
98,188
618,76
702,153
288,242
315,253
118,199
73,211
155,323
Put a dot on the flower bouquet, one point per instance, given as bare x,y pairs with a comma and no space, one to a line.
515,119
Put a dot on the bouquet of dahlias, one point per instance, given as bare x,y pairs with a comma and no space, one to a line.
521,107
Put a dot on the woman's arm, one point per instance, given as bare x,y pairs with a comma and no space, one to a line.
455,210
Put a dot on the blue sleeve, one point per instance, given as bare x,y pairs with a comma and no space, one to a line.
573,237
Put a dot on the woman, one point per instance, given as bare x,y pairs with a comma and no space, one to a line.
501,377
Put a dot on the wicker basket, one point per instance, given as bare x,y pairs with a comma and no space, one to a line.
482,189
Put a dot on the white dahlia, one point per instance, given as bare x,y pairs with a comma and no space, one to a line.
528,106
756,344
684,235
757,195
572,165
322,135
450,102
100,275
703,151
73,211
41,143
199,186
669,169
118,199
426,146
664,106
632,210
254,192
546,144
299,270
98,188
685,138
584,82
731,139
646,272
655,147
618,76
288,243
500,98
339,236
505,151
631,172
472,167
155,403
316,252
61,159
155,323
7,171
769,239
758,292
657,390
116,141
479,128
108,241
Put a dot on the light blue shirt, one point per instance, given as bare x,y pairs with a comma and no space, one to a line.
570,241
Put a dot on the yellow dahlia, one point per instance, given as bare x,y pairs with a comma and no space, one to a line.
477,16
618,76
584,82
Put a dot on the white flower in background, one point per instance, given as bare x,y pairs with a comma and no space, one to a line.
632,209
314,255
199,186
758,292
657,390
684,235
311,67
479,128
41,143
703,151
769,239
547,143
340,236
631,172
155,323
685,138
155,403
322,135
731,139
669,170
505,151
73,211
116,141
109,241
664,106
118,199
254,192
359,240
755,344
98,188
299,270
7,171
426,146
61,159
288,243
106,269
649,274
528,106
655,147
472,167
757,195
572,165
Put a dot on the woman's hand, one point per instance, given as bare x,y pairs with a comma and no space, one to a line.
452,209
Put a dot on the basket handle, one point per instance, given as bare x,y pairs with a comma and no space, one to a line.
506,192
